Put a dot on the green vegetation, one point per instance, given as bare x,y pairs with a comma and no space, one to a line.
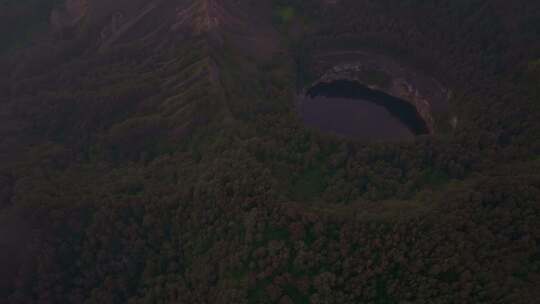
309,185
173,169
285,13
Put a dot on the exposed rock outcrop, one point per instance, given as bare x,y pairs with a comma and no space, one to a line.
205,16
383,74
240,22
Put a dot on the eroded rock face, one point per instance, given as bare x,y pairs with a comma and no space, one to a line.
245,23
384,74
205,16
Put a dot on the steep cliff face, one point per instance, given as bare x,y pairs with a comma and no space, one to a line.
384,74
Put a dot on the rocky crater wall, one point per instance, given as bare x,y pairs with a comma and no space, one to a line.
386,75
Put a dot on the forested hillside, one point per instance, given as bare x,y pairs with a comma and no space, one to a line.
153,154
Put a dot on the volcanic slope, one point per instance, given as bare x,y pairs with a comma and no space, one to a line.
151,68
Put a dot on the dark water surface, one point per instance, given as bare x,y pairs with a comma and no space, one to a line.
349,109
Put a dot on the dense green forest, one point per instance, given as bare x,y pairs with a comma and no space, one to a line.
168,170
